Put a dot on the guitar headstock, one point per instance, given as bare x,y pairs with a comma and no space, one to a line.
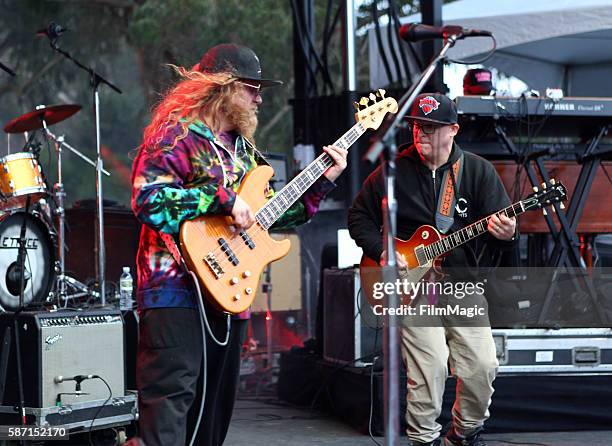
371,116
550,193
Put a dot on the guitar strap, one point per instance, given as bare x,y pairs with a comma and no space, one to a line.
445,209
173,248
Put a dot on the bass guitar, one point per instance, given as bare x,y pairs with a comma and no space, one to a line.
229,263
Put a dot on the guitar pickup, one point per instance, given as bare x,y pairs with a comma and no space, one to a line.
213,264
247,240
421,255
228,251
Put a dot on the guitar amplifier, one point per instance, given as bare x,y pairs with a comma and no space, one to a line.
62,344
352,333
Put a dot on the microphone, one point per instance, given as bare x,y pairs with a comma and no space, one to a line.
78,378
53,31
413,32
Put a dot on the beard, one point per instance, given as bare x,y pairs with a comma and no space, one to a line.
243,119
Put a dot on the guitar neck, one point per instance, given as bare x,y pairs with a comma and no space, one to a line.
282,200
470,232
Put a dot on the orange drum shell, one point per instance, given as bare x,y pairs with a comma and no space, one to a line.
20,176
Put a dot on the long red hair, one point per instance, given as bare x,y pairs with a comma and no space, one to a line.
195,95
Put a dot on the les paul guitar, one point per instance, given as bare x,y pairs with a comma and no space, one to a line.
229,263
426,248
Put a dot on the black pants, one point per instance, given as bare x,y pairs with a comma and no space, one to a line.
169,376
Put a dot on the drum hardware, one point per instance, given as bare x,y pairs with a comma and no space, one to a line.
64,281
33,120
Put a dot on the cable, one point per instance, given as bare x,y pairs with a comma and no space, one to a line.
391,36
110,395
205,326
522,443
372,401
379,44
397,24
478,61
298,23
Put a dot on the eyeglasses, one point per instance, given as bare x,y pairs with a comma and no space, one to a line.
428,129
254,89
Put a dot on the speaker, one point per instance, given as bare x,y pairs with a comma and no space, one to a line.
352,333
286,293
62,344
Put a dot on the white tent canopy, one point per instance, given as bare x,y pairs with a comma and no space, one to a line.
545,43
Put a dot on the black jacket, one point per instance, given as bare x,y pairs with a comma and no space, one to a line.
481,193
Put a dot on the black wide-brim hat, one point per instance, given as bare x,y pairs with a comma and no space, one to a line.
240,61
433,107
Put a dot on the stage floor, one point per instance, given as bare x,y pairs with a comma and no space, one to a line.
269,422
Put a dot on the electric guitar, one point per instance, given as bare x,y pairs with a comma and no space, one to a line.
426,248
229,263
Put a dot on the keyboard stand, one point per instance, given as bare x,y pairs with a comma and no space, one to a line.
566,252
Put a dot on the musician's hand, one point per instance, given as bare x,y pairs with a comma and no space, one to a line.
399,258
339,157
241,214
502,227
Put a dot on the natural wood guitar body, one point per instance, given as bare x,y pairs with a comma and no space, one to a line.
234,289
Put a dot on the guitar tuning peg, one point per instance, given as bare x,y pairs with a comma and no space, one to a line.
554,210
364,101
544,212
561,205
535,188
381,93
356,105
372,97
552,181
543,185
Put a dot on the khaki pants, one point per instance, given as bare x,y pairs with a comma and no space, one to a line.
427,352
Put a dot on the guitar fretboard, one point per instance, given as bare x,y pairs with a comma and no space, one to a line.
282,200
468,233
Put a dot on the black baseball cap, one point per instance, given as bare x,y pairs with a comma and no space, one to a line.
433,107
238,60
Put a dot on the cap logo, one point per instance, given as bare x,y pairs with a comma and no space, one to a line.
428,104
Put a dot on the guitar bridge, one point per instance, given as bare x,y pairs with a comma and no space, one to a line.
213,264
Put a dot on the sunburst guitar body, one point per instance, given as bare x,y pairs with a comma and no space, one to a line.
426,248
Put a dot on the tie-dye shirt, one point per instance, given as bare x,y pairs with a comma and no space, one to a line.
182,183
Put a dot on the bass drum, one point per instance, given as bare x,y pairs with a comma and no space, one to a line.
39,262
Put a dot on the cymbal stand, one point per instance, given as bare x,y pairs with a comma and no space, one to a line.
64,281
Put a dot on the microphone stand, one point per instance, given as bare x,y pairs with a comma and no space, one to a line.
21,258
387,147
95,81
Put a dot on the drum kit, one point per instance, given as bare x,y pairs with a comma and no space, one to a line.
26,202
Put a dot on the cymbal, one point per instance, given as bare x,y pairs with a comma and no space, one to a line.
52,114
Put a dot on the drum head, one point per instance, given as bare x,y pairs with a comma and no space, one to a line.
39,262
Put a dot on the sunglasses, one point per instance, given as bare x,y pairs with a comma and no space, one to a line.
254,89
428,129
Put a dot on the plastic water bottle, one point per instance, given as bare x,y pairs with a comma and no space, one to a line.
126,285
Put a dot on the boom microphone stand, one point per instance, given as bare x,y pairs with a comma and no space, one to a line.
53,32
387,146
